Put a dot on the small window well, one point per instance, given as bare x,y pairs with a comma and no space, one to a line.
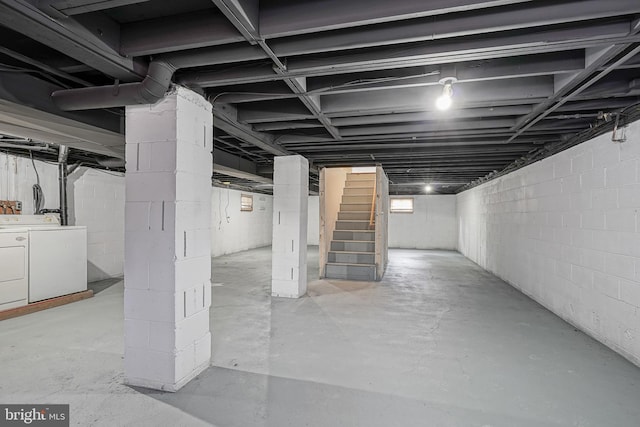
404,205
246,203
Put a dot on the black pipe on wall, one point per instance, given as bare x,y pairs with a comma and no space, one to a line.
63,154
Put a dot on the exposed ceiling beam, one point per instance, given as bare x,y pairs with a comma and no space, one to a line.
463,49
228,164
466,94
224,170
226,118
591,105
187,31
70,38
209,29
286,19
244,15
375,147
27,122
273,112
66,8
528,66
295,141
446,167
267,127
44,67
496,69
572,85
25,89
427,127
299,87
516,110
529,15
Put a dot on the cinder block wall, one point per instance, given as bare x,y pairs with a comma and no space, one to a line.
566,231
233,230
96,200
432,225
17,178
313,217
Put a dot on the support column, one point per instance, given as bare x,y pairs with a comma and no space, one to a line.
167,241
289,250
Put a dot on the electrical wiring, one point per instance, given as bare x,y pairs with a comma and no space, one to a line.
11,69
38,194
606,124
364,82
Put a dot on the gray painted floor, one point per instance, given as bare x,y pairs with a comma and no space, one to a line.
439,342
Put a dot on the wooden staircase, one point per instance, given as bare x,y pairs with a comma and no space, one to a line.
352,252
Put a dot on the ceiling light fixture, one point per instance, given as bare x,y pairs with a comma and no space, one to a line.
445,100
428,188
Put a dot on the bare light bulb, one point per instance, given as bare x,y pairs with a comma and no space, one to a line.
444,101
428,188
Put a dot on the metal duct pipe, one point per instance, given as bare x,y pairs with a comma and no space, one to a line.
148,91
153,87
3,144
63,154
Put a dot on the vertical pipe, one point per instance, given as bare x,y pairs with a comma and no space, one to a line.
62,183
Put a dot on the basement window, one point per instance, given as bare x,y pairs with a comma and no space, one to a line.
246,203
404,205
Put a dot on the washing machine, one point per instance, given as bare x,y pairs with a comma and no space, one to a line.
14,268
56,255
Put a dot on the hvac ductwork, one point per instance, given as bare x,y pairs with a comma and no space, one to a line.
148,91
152,88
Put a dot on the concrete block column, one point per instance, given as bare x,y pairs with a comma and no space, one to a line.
289,248
167,241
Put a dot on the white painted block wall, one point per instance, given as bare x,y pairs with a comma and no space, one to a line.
313,224
96,200
248,230
234,231
17,178
432,225
167,287
566,231
289,247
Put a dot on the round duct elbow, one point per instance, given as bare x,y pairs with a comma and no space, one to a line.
150,90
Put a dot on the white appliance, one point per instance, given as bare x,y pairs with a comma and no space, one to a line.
14,268
57,256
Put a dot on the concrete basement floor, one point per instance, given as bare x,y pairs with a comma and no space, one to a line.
439,342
